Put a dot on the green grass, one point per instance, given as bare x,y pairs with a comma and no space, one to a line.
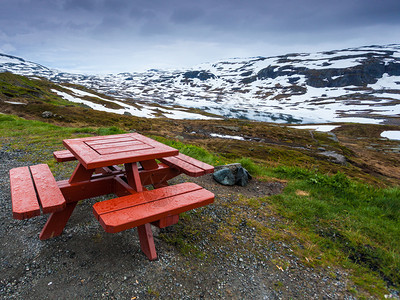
359,221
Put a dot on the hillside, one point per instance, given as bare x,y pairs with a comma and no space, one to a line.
352,85
357,149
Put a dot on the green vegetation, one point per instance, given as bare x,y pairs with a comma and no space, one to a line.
359,221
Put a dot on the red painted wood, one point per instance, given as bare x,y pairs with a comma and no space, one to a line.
124,149
202,165
121,188
183,166
50,196
159,176
81,174
149,164
165,222
63,156
87,189
188,165
90,158
147,241
132,174
56,222
23,196
148,206
143,198
108,139
120,143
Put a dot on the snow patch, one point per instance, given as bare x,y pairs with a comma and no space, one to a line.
391,135
232,137
322,128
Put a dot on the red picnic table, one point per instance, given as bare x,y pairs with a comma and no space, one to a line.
123,165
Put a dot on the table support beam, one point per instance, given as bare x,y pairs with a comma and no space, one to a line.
80,174
147,241
56,222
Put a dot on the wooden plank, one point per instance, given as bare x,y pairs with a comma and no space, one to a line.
115,204
50,196
120,149
183,166
126,157
114,145
109,139
91,159
97,186
188,165
152,211
202,165
63,156
149,164
23,195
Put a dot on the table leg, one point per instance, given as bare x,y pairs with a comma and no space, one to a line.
132,174
56,222
147,241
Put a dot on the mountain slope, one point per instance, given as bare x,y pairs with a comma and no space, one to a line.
352,85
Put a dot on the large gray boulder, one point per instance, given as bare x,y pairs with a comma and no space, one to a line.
232,174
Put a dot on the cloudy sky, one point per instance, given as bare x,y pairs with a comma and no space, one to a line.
111,36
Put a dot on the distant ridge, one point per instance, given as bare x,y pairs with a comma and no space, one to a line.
350,85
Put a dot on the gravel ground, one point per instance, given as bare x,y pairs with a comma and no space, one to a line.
86,262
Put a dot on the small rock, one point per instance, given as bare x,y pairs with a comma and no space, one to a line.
47,114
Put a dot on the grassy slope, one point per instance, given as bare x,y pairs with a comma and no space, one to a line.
350,220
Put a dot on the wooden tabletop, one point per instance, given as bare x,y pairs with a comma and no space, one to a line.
103,151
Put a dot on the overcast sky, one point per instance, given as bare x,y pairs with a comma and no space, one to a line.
111,36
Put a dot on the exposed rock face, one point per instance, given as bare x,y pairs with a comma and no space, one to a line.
367,72
202,75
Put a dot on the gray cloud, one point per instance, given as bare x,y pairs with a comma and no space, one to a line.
86,32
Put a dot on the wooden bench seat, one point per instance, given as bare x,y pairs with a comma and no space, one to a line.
149,206
188,165
34,188
63,155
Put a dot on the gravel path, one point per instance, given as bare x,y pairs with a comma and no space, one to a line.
86,262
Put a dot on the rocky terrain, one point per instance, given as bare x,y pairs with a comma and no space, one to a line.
359,85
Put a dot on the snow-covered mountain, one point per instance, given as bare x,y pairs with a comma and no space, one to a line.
351,85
